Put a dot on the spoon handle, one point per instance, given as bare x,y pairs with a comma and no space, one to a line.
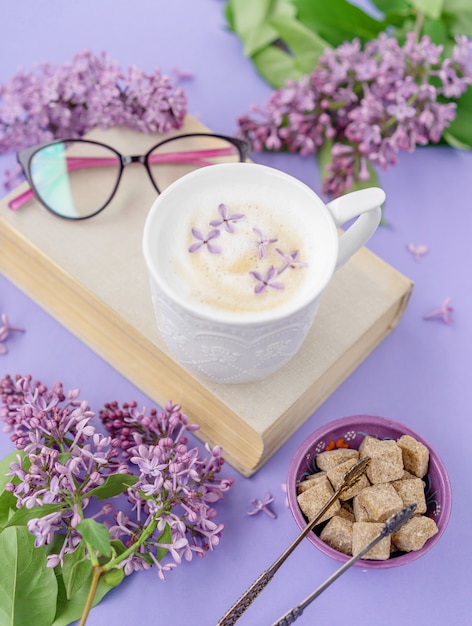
394,523
248,597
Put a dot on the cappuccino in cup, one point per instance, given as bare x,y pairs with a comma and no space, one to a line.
238,256
241,257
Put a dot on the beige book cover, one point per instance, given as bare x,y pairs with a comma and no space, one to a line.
90,275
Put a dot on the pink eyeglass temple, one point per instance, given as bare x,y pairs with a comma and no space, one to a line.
196,157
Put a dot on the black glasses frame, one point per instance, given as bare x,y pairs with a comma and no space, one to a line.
25,156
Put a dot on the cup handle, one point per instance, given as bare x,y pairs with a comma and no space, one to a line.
365,205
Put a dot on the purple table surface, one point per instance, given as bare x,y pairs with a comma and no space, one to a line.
419,375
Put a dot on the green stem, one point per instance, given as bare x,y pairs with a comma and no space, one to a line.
418,25
147,532
97,573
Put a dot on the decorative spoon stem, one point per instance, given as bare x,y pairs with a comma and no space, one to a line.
393,524
234,613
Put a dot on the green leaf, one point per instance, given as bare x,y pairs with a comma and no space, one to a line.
5,468
113,486
431,8
7,507
276,66
70,609
459,133
166,537
22,516
436,29
96,535
250,21
28,589
76,570
392,6
305,45
459,13
324,157
337,20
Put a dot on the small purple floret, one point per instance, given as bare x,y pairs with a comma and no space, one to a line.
205,240
289,260
266,281
226,219
262,242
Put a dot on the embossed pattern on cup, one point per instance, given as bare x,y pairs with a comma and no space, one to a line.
231,355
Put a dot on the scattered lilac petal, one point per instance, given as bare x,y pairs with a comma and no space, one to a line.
181,74
226,219
443,313
417,250
263,505
5,330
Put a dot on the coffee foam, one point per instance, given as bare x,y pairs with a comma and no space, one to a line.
222,282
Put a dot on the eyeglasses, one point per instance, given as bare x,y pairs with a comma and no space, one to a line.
77,178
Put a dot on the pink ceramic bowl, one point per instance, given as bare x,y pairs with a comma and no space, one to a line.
351,431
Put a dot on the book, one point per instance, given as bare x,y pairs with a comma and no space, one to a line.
90,275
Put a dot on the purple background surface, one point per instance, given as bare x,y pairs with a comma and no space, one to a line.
419,375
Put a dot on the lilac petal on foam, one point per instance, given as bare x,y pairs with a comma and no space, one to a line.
226,219
264,282
212,249
213,234
198,234
205,241
195,247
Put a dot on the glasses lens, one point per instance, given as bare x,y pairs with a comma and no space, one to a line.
75,179
177,157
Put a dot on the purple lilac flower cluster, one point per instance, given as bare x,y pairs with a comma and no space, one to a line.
64,459
175,484
67,101
369,103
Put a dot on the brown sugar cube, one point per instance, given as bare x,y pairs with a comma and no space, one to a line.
415,533
338,534
411,491
380,502
415,455
386,459
365,532
360,514
407,475
336,476
327,460
312,500
309,481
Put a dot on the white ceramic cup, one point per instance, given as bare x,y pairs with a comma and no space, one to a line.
226,346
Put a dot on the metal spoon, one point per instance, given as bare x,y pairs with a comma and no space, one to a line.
393,524
234,613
